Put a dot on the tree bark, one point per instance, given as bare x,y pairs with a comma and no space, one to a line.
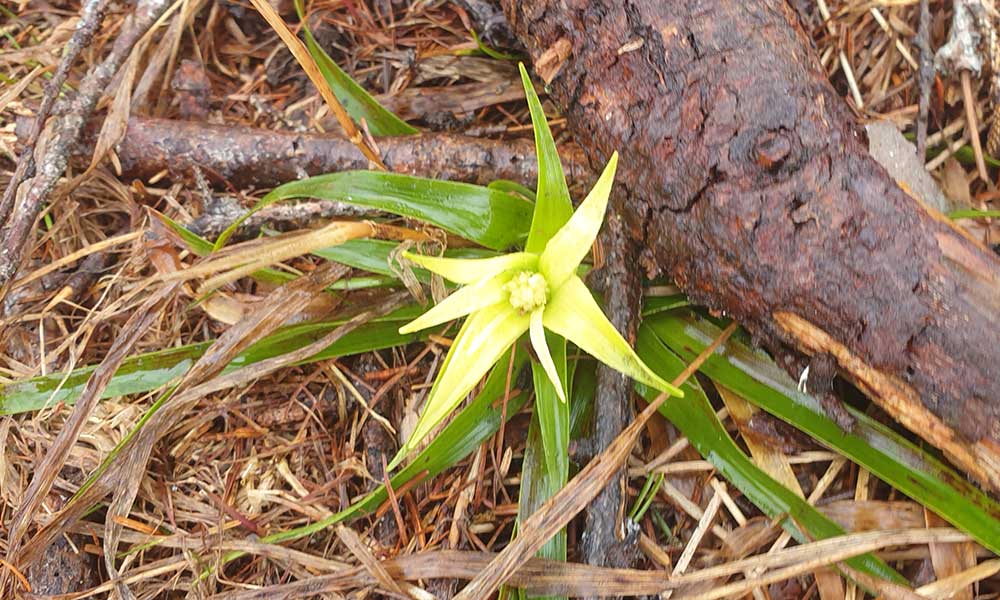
749,182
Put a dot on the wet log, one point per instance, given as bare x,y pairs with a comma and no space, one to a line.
749,183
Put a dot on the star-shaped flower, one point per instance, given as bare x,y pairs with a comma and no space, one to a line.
506,296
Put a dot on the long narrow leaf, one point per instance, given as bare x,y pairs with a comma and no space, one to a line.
489,217
537,486
148,372
374,256
545,469
552,205
358,103
870,444
694,416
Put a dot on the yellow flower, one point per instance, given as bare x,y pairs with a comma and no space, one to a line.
506,296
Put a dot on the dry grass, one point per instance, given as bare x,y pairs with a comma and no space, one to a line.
277,450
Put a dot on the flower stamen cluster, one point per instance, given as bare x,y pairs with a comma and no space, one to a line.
528,291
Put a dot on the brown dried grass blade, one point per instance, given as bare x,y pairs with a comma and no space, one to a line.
548,577
130,463
350,539
301,54
46,472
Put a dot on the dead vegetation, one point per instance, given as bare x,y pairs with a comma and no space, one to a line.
241,455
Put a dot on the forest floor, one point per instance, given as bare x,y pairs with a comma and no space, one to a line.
299,444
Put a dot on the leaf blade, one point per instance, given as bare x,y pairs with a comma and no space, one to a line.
553,206
358,103
489,217
872,445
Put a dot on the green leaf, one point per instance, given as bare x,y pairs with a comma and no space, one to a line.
553,206
512,187
694,416
485,336
374,255
554,411
870,444
197,244
545,468
567,248
491,218
973,213
537,486
147,372
490,51
658,304
356,101
573,313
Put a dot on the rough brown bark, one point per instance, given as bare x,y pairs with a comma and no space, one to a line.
608,540
750,184
244,157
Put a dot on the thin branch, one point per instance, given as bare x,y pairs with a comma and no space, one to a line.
15,232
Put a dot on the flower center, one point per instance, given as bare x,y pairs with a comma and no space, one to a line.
528,291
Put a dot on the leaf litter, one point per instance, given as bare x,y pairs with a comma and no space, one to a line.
220,459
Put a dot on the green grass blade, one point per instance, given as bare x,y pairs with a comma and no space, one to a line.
694,417
537,485
553,413
553,206
147,372
545,469
877,448
373,256
356,101
512,187
489,217
973,213
658,304
492,53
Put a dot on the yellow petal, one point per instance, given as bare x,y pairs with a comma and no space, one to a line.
486,336
573,314
568,247
469,270
537,334
461,302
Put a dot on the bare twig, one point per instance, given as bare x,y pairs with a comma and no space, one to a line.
241,157
926,76
14,233
91,15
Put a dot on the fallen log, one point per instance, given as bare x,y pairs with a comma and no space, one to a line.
748,181
245,157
